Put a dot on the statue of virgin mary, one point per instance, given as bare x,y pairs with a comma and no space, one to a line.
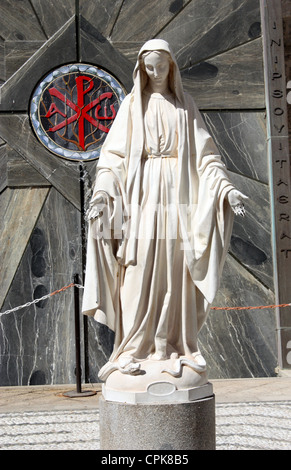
160,221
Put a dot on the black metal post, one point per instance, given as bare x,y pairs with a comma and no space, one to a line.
77,335
78,370
78,392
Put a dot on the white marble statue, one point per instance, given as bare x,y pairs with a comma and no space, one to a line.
160,221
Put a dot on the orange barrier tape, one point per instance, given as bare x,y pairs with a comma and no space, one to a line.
64,288
260,307
81,287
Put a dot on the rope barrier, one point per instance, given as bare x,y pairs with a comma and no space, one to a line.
260,307
44,297
79,286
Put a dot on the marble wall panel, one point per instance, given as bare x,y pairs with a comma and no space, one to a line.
101,14
251,241
3,167
205,29
100,345
59,49
196,30
17,53
95,48
61,173
231,80
20,209
140,21
242,343
38,342
25,26
242,141
241,138
129,49
21,174
19,22
2,63
52,14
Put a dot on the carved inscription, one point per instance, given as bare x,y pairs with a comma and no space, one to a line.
280,148
280,167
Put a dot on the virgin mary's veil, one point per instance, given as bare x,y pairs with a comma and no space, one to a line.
140,77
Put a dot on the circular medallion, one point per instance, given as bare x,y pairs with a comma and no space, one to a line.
73,108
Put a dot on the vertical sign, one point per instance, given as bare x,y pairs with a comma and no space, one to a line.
279,158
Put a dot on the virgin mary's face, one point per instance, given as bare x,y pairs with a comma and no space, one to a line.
157,66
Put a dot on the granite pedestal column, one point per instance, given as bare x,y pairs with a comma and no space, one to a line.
161,424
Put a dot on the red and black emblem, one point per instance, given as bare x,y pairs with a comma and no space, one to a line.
73,108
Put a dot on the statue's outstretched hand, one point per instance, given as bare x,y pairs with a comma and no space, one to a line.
235,199
95,206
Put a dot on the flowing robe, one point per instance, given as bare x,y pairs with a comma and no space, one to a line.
155,272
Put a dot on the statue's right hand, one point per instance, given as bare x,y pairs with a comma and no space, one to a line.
95,206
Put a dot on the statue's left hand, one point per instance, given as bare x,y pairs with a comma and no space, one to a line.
235,199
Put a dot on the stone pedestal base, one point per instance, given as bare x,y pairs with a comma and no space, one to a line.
158,426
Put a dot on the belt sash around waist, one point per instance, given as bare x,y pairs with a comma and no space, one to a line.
161,155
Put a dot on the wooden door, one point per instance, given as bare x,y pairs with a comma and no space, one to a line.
218,46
